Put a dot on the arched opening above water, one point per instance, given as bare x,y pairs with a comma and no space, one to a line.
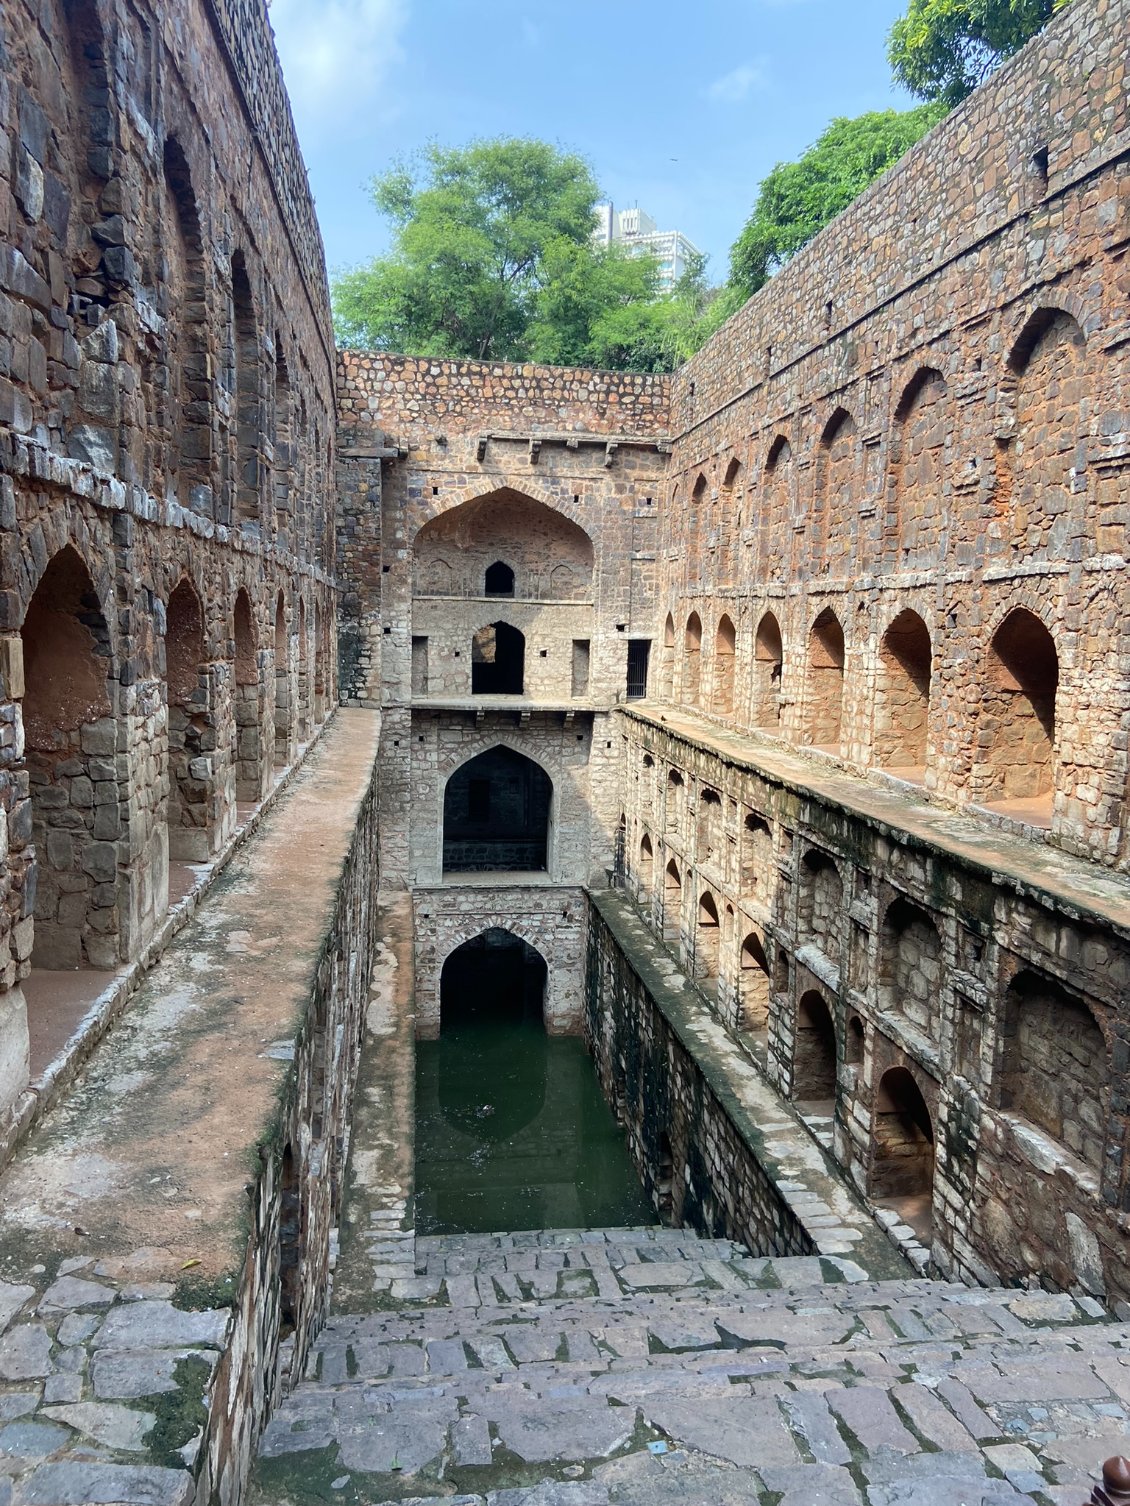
494,978
496,815
512,1131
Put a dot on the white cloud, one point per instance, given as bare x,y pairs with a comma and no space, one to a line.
738,84
338,57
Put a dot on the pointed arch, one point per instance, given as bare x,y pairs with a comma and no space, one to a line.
189,384
672,902
497,814
667,661
250,764
814,1052
826,654
707,938
282,685
245,386
551,556
922,425
902,704
1017,711
692,660
282,470
902,1157
725,647
753,986
768,659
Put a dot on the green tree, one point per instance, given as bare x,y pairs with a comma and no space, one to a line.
662,334
797,199
472,229
942,49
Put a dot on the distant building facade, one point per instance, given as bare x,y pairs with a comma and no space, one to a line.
636,229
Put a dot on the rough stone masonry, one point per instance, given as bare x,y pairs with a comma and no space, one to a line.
815,652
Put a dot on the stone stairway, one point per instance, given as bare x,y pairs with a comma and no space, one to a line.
585,1368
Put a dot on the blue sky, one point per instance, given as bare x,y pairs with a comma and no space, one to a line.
680,108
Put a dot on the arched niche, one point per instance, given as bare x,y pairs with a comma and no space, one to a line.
768,658
250,774
1017,716
826,656
814,1052
497,813
902,704
692,659
725,646
550,556
70,742
902,1151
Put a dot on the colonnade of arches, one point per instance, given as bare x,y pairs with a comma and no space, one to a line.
827,498
139,757
804,691
874,1042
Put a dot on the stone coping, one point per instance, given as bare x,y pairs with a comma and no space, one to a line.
1028,866
46,1089
155,1145
809,1183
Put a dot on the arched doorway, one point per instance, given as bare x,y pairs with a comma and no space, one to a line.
496,815
814,1054
902,708
826,655
768,656
1017,715
498,660
249,781
902,1157
753,1001
70,743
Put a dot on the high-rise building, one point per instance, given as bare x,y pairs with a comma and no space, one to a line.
636,229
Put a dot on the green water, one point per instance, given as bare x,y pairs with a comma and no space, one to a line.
512,1133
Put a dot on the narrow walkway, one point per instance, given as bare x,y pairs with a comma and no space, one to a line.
810,1184
128,1204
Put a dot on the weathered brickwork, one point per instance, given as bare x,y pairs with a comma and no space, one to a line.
859,945
166,453
900,475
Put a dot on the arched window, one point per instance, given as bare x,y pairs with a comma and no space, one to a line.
725,643
825,681
499,580
768,657
814,1054
757,854
922,423
835,489
282,687
1017,712
250,766
496,815
676,793
692,659
189,376
192,818
709,826
902,708
667,662
283,448
1049,362
646,866
753,1002
498,660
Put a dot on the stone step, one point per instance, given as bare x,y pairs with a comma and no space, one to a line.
486,1412
389,1345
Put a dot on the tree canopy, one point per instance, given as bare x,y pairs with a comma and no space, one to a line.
942,49
492,257
797,199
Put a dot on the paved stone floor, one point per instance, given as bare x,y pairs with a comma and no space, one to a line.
639,1366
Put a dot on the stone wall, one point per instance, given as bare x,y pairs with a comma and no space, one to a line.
166,449
697,1167
898,490
874,955
550,919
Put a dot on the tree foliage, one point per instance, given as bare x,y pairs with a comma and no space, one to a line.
942,49
797,199
493,257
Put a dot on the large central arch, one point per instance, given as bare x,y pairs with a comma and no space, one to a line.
546,556
497,815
